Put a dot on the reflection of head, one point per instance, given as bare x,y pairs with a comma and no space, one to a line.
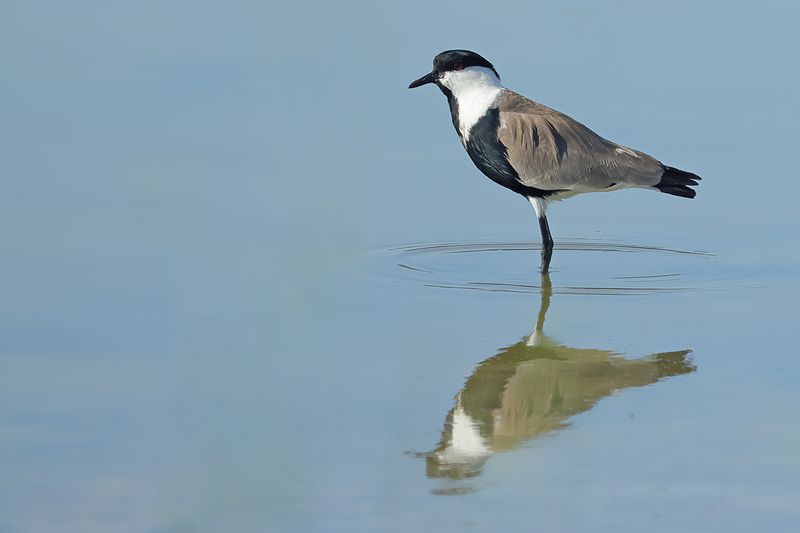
525,391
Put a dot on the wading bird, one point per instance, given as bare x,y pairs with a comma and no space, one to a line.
536,151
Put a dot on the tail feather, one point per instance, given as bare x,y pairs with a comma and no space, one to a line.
678,182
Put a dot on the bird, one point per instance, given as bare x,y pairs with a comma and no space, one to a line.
535,151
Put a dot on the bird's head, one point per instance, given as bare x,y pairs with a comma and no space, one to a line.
458,68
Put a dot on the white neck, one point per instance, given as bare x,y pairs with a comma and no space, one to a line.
475,90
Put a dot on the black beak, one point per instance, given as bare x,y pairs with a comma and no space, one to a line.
424,80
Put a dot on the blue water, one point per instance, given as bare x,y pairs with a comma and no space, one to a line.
252,283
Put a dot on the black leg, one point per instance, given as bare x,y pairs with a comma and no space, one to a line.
547,244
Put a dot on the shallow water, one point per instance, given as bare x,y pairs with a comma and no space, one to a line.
252,283
541,385
435,265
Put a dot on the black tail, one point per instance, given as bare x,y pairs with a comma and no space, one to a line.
677,182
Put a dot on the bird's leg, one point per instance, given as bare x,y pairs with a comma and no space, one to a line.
547,243
540,206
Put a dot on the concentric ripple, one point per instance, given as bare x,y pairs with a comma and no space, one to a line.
578,267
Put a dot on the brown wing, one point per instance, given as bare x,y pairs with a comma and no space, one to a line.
550,150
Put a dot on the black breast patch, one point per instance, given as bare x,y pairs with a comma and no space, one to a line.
491,156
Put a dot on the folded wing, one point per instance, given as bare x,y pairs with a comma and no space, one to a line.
550,151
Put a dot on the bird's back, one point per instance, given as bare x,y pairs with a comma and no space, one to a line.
551,151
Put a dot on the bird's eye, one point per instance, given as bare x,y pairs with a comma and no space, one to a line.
458,66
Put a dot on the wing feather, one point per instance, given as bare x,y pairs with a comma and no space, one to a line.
550,151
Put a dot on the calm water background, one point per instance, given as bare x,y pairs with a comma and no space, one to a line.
204,324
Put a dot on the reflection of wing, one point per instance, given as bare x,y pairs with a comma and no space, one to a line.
557,382
534,387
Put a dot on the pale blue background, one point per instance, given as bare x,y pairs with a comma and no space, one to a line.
194,335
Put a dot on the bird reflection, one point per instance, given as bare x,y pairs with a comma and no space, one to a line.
532,388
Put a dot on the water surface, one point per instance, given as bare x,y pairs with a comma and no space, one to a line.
252,283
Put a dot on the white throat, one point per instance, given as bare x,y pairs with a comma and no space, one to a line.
475,90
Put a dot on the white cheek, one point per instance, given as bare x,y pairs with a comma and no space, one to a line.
475,89
446,79
456,79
